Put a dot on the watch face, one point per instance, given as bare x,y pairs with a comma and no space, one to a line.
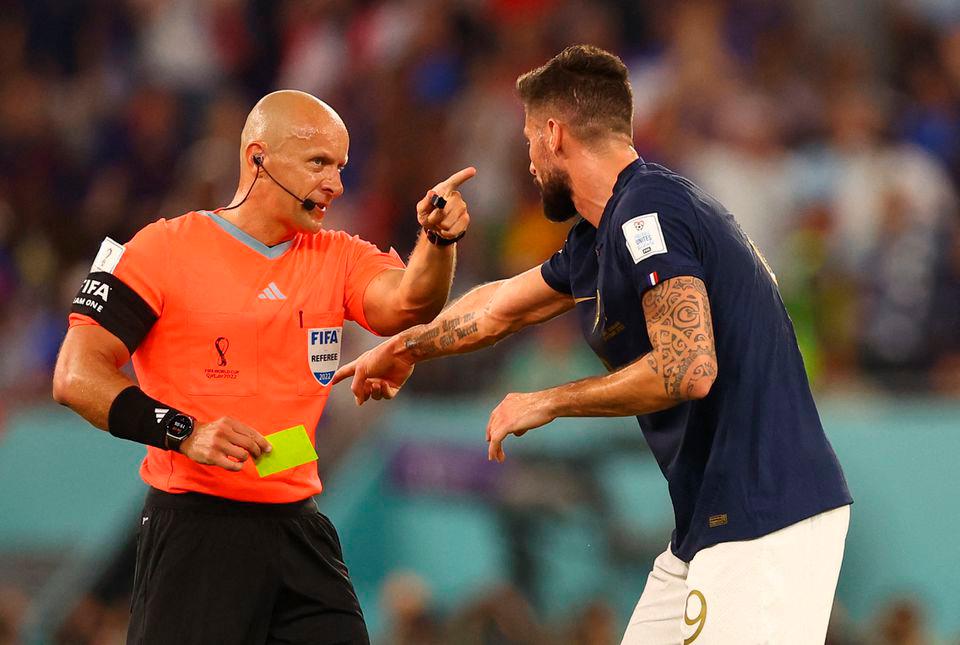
180,426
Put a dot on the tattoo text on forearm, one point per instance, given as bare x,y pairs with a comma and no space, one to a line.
441,334
681,333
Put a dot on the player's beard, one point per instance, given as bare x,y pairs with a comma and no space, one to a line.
557,196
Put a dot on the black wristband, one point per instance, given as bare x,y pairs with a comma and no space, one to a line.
437,240
137,417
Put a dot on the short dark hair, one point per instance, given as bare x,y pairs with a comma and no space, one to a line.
589,85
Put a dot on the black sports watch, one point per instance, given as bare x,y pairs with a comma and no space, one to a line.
438,240
179,426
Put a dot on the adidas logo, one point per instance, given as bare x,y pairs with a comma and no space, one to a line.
271,293
160,412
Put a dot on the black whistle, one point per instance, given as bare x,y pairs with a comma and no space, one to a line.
438,202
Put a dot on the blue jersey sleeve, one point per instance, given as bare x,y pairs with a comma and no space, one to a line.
556,270
657,237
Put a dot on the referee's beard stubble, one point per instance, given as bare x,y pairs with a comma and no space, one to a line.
308,221
557,195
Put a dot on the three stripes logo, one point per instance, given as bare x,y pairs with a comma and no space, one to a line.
160,413
271,293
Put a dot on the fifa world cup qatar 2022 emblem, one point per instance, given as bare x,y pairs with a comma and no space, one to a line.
221,371
222,344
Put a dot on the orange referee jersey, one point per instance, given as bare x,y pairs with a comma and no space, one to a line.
241,330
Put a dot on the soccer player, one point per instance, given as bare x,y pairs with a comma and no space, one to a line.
234,321
685,314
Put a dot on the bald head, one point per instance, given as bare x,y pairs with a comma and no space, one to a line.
286,116
299,144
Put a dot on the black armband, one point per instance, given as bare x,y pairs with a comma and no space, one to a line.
116,307
137,417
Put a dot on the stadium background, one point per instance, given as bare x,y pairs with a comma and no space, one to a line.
831,130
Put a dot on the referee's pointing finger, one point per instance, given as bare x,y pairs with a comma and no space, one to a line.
428,213
454,181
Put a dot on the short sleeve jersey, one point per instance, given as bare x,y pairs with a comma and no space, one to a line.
751,457
220,324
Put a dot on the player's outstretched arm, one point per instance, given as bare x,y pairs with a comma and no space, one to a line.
480,318
681,366
399,298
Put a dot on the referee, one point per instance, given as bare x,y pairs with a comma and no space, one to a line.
684,312
234,319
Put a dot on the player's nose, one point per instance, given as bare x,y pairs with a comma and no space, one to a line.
533,170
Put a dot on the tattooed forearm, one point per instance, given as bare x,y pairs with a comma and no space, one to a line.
421,345
442,334
449,325
430,334
681,332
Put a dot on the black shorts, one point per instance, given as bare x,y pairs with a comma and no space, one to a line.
211,570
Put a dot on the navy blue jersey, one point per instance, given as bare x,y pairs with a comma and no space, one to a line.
751,457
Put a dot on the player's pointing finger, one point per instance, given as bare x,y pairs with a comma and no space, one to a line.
454,181
358,387
346,371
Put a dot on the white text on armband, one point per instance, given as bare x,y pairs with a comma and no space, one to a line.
115,306
95,288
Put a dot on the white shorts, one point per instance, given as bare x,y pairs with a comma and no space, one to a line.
776,589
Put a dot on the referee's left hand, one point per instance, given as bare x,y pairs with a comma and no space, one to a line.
516,414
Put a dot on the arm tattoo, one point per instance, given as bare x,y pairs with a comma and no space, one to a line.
436,337
681,333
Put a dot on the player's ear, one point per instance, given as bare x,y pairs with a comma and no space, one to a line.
554,132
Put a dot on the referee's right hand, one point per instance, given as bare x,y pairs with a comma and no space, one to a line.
216,442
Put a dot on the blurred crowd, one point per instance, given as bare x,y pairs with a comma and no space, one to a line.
832,133
831,130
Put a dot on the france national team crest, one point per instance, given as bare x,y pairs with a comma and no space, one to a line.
323,348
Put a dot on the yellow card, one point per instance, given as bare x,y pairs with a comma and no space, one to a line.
291,447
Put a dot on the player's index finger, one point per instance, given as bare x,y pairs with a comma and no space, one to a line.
455,180
357,386
344,372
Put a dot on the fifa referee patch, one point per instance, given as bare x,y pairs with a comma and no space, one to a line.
323,350
643,237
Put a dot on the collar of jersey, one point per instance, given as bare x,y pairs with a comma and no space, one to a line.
270,252
622,180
